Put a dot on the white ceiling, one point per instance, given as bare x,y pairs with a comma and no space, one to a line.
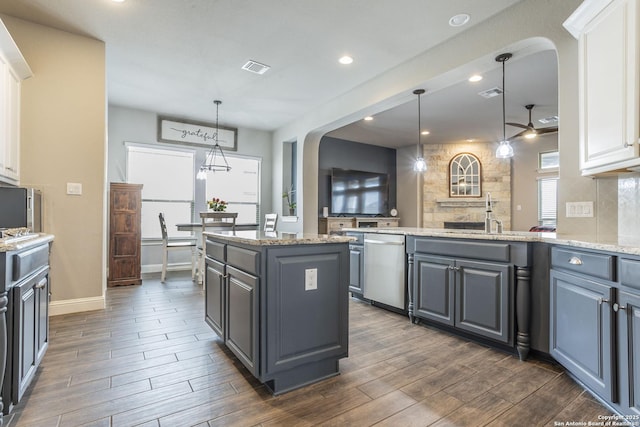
175,57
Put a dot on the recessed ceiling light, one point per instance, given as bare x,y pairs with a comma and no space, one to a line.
425,132
118,1
345,60
459,20
475,78
470,140
368,119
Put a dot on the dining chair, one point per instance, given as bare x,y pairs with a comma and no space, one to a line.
270,221
173,244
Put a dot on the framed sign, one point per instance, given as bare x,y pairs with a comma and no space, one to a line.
200,134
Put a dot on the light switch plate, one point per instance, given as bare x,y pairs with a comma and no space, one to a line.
74,188
310,279
579,209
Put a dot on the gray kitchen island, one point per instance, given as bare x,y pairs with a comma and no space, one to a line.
279,301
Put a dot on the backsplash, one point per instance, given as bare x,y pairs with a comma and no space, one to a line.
628,209
439,208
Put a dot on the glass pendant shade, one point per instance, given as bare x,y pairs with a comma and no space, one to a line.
420,164
505,150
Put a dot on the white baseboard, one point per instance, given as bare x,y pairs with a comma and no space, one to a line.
76,305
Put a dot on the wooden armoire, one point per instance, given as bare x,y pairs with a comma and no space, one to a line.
125,203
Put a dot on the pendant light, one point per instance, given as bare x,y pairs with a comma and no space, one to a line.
215,157
505,150
420,165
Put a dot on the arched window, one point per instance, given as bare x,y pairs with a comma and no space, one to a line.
465,176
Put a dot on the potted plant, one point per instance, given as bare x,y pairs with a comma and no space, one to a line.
217,205
291,204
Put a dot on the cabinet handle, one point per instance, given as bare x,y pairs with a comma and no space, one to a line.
617,307
575,260
451,267
628,144
601,300
41,284
9,168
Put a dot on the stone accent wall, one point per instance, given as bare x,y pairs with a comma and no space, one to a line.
438,207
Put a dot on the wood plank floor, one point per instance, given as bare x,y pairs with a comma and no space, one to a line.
150,360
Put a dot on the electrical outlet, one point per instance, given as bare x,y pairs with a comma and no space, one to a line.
74,188
310,279
579,209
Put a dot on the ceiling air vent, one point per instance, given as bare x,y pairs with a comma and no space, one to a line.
255,67
490,93
547,120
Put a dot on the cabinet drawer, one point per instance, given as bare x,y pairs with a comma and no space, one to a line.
339,225
464,249
243,259
630,272
592,264
215,250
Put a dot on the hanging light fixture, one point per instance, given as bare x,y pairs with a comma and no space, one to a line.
420,165
215,157
505,150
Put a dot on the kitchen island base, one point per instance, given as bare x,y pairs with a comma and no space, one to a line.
280,303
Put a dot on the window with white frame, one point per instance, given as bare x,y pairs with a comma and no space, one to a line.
167,176
240,188
548,162
548,201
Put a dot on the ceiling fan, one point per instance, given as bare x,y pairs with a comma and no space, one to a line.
530,131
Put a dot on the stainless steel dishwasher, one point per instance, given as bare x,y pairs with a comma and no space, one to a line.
384,261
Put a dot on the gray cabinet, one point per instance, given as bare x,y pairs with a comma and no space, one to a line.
242,316
435,293
472,296
214,295
581,330
473,286
31,301
629,351
356,264
281,309
483,303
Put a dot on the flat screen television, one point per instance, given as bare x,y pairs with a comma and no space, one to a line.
359,193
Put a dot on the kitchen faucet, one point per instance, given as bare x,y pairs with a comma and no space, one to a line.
488,220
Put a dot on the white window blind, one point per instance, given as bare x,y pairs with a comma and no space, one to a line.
240,188
547,201
167,177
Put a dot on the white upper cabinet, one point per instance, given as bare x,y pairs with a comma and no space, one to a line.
13,69
607,33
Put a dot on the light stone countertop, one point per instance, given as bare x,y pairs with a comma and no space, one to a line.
622,245
264,238
24,242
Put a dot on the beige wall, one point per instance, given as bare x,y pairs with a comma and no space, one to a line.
63,140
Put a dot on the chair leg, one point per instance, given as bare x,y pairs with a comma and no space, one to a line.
201,272
193,263
165,255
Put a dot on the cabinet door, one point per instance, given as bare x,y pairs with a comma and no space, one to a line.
242,317
629,351
608,87
355,269
434,288
4,141
214,297
25,337
581,330
483,299
42,317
